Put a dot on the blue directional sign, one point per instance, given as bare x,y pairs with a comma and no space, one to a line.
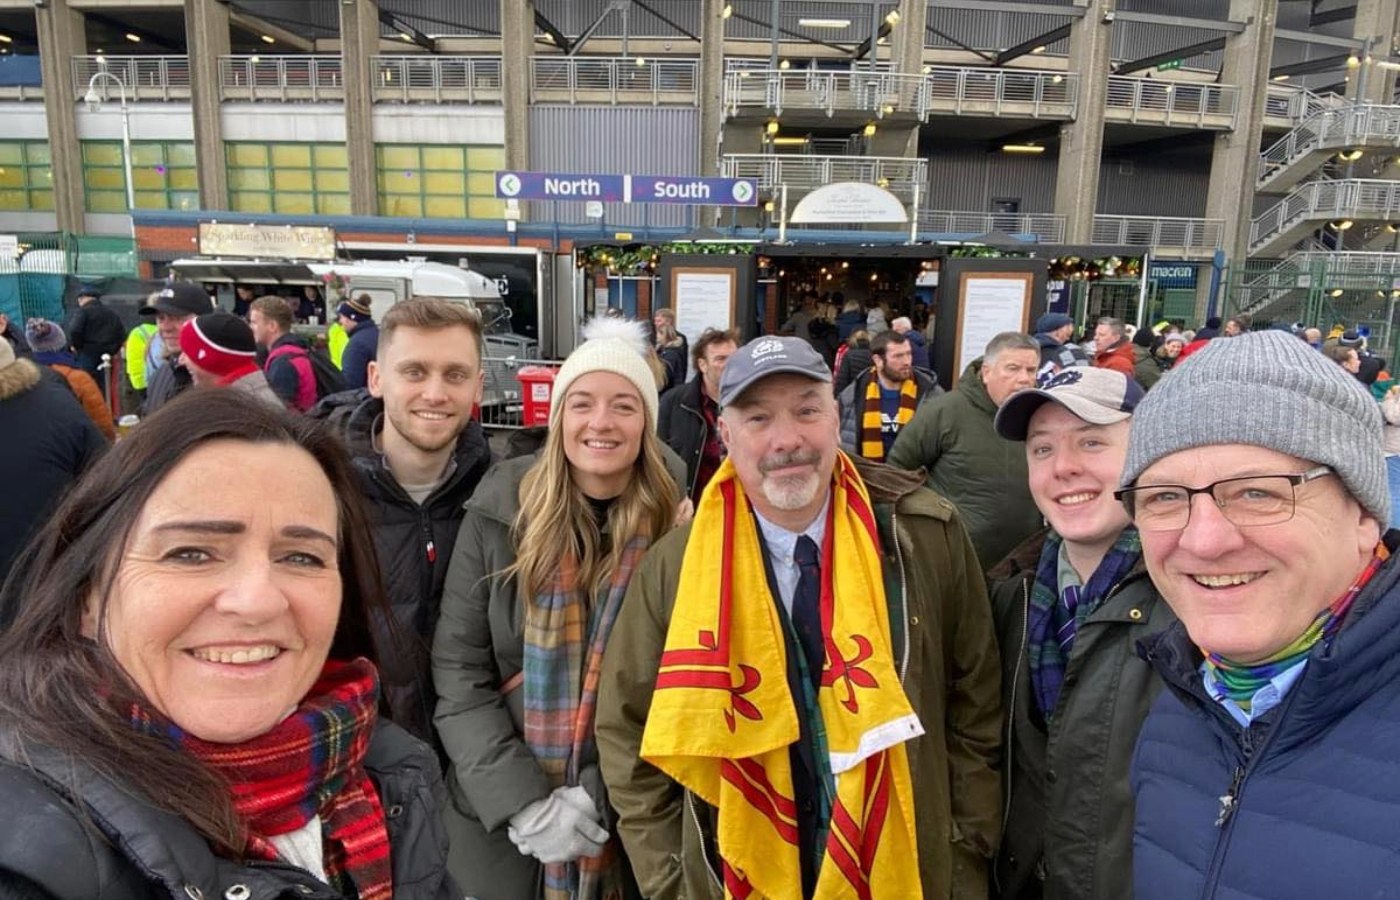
560,186
679,189
683,189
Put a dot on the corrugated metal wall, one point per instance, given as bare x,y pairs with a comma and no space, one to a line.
615,140
967,177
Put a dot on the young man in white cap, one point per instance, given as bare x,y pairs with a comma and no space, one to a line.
808,667
1070,605
219,351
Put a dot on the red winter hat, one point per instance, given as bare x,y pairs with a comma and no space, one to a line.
219,343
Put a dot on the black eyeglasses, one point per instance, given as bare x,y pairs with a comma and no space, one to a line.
1246,501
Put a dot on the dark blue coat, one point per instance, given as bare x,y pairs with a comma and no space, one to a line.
848,323
920,349
1315,782
359,352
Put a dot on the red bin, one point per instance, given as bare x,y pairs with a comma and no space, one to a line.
537,387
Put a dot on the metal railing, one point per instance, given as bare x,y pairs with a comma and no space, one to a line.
1297,104
503,395
437,79
1352,262
22,91
961,90
1048,228
1321,200
145,77
1155,102
896,173
1204,235
1332,129
613,80
281,78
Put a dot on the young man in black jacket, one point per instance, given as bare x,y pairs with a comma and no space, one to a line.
688,414
93,330
419,456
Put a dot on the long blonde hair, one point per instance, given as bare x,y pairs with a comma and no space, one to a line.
556,521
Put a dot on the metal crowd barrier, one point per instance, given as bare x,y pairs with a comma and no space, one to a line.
503,400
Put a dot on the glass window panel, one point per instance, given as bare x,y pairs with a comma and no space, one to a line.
104,178
152,200
401,205
330,156
147,155
333,204
179,154
402,183
485,208
482,183
398,156
38,152
289,155
486,158
188,179
13,200
11,176
41,178
444,183
445,207
442,158
243,155
250,201
284,202
102,153
148,179
11,153
249,179
41,199
332,181
291,180
106,201
184,200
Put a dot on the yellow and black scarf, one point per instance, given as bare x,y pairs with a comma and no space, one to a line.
872,441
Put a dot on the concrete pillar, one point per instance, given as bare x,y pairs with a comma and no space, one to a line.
207,39
359,41
61,37
907,38
517,48
1081,141
1234,165
1375,24
711,84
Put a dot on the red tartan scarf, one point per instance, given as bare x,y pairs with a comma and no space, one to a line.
310,764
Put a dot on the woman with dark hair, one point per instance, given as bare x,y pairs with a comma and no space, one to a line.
189,701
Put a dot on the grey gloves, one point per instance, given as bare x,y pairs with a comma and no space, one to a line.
560,828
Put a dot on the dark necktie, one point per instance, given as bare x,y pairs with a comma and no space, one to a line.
807,609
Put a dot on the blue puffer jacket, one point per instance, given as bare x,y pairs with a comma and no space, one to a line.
1303,804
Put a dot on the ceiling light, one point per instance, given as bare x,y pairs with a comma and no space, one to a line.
1022,148
255,59
728,11
784,65
1350,155
641,61
1283,76
5,39
1040,49
789,141
406,36
268,39
1057,79
1342,224
549,37
772,127
927,69
892,18
1353,61
824,23
870,130
99,51
1392,227
1335,292
134,38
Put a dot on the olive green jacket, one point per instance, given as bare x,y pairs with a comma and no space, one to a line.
1068,833
952,439
942,631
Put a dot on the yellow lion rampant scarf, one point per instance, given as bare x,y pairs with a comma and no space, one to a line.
722,717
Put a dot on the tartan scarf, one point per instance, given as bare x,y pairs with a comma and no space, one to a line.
1240,682
1054,617
723,716
565,636
872,441
311,764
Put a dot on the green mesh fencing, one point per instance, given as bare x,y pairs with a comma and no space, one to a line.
43,276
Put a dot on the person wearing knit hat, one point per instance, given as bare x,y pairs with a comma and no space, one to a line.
218,349
1053,332
50,346
1262,525
546,550
354,316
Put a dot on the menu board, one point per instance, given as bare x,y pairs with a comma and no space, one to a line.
702,299
990,303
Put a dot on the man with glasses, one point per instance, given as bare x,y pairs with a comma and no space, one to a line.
1269,768
1070,605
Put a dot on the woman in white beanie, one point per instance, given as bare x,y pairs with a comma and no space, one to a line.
546,550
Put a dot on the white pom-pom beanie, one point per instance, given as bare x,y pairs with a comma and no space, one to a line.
610,345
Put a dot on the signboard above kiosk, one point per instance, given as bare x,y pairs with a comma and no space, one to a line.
853,202
266,241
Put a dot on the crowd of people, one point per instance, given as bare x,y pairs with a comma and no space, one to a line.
744,620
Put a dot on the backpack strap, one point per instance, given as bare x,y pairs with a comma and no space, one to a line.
300,359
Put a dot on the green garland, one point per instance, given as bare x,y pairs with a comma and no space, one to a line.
634,259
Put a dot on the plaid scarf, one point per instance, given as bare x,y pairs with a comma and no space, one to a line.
1240,682
311,764
561,671
1055,617
872,440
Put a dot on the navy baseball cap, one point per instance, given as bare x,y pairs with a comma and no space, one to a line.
1052,322
1098,396
766,356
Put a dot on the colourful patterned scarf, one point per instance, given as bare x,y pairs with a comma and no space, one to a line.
309,764
1055,617
723,716
565,636
872,441
1240,682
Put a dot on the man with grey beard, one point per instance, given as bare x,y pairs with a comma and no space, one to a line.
821,618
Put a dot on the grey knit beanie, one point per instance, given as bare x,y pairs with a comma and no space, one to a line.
1271,390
